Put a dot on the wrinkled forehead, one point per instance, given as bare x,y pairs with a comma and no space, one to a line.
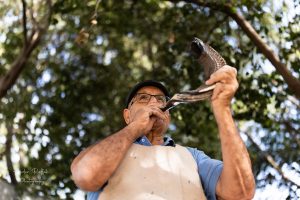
150,90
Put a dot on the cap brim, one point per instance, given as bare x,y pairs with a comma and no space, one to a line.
142,84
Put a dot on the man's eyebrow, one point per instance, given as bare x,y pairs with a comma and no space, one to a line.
146,92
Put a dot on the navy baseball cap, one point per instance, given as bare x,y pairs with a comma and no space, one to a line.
139,85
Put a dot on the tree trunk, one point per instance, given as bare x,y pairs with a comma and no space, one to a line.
9,163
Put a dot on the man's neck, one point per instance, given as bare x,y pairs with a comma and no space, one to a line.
155,138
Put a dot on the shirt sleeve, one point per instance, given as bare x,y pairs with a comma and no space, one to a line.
209,171
93,195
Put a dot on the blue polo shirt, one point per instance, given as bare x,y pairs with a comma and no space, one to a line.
209,169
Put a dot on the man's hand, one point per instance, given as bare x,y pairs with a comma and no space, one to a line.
226,86
149,118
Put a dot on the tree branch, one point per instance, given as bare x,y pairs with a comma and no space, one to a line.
292,82
2,154
9,163
270,160
24,22
33,21
9,79
95,14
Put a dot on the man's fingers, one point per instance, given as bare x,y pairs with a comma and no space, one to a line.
227,90
218,89
158,113
221,76
224,75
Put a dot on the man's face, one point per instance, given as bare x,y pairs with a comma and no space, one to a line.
141,99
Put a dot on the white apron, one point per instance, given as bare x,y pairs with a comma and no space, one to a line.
155,173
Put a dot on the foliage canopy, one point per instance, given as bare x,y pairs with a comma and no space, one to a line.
72,91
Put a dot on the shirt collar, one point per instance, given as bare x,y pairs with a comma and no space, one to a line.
168,141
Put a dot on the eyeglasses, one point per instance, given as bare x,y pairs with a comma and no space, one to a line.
145,98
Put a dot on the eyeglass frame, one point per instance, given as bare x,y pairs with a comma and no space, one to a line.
151,95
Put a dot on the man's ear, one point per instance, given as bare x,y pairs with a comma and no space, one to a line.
126,115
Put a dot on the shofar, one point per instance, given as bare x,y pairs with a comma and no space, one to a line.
211,61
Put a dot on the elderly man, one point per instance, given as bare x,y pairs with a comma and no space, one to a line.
140,163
